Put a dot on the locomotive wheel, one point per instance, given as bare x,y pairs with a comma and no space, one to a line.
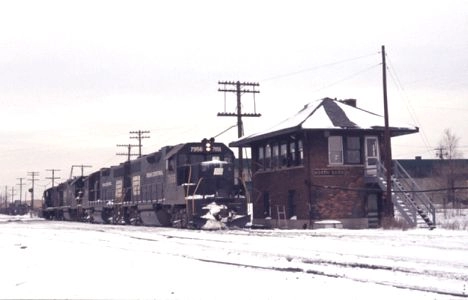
164,217
132,216
179,218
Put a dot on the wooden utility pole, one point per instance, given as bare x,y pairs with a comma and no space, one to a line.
139,135
54,177
21,188
129,151
6,198
240,88
387,138
33,180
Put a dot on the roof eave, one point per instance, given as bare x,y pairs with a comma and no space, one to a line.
246,142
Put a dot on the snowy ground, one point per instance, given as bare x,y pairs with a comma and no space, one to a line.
58,260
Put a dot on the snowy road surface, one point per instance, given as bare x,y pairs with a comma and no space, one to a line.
62,260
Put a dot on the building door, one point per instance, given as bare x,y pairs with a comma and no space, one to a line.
373,211
372,155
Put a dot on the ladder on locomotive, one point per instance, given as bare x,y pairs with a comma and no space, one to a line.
282,222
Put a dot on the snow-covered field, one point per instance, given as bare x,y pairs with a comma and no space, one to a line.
63,260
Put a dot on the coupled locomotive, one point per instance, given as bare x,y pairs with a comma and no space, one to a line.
190,185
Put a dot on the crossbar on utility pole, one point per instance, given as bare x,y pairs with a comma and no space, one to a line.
79,166
139,135
239,90
53,177
129,151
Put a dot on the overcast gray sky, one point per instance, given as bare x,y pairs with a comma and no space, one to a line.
77,76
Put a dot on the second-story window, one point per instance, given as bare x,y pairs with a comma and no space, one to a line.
261,158
283,155
267,156
275,156
344,150
335,150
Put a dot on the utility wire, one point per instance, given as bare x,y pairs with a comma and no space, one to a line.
224,131
343,188
348,77
396,80
317,67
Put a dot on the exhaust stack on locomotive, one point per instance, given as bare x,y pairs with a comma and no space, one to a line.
189,185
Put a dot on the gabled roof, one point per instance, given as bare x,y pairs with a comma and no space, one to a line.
328,114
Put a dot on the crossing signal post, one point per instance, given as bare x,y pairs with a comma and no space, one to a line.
239,88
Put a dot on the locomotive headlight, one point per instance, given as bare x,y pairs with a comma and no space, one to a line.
208,144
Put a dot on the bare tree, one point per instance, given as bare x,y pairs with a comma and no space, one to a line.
448,153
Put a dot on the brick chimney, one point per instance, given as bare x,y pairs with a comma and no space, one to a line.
350,102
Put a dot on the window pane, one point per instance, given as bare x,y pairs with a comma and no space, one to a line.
292,152
267,156
335,150
353,156
301,152
353,152
372,147
284,155
261,161
353,143
275,156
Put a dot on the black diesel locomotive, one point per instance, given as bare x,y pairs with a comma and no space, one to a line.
190,185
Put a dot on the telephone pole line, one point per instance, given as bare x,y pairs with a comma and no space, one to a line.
129,151
33,180
441,152
54,177
77,166
6,198
240,88
21,188
13,194
139,135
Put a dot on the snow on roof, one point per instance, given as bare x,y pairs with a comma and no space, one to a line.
329,114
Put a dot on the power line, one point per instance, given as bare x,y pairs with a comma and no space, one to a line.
318,67
397,82
348,77
343,188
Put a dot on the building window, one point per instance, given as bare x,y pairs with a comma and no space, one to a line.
335,150
292,154
261,157
301,152
267,156
344,150
283,155
275,156
353,150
